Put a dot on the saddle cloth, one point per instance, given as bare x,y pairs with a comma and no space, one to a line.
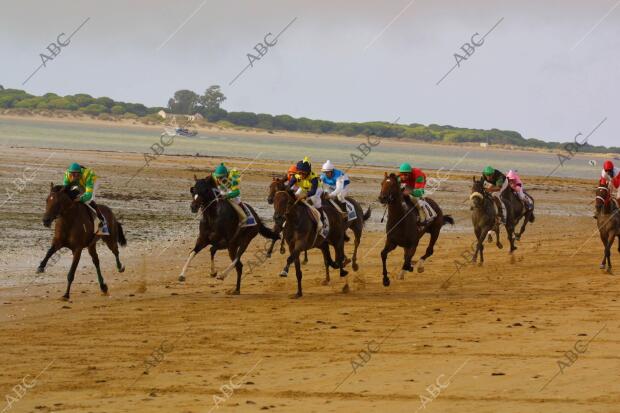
351,213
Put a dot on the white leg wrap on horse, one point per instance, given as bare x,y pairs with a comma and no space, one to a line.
189,259
227,270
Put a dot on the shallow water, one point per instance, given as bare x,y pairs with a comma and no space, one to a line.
388,153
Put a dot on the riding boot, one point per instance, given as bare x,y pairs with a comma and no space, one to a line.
500,209
103,229
423,218
324,223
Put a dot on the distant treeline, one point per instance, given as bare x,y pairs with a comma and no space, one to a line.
208,105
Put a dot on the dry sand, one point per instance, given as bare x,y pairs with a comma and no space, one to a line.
493,336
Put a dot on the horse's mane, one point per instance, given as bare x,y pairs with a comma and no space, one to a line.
203,186
71,191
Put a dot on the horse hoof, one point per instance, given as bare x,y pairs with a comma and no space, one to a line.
296,296
304,262
233,292
355,266
64,298
343,273
500,246
602,266
268,255
121,268
334,265
346,262
386,282
104,289
345,289
480,264
609,271
220,277
40,270
401,276
420,270
325,282
213,274
283,274
181,278
518,238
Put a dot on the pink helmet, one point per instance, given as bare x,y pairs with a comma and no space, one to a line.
512,175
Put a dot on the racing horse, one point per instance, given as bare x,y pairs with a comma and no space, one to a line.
300,234
483,217
356,225
608,222
402,229
221,229
75,229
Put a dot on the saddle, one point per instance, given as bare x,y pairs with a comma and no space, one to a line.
350,214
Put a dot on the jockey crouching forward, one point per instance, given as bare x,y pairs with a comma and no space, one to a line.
228,185
515,183
611,175
412,184
306,186
495,183
86,180
336,186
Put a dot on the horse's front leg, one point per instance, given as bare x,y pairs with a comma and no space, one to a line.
71,275
389,246
51,251
326,261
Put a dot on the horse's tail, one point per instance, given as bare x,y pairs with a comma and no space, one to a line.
447,219
267,233
120,235
367,214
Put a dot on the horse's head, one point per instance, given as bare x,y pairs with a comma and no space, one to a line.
477,192
203,193
603,197
59,199
277,184
390,189
282,201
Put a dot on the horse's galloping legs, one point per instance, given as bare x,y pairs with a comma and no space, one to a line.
92,250
326,260
389,246
51,251
298,274
113,246
71,275
200,244
430,249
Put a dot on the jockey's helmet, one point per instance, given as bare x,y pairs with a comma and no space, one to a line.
327,166
405,168
221,171
488,171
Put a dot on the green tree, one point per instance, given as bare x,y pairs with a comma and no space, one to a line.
93,109
213,98
118,109
184,102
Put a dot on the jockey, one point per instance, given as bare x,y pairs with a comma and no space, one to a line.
305,183
228,185
291,172
335,183
611,175
412,183
514,181
86,180
495,183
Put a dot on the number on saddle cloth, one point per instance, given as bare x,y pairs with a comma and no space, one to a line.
251,220
351,213
430,211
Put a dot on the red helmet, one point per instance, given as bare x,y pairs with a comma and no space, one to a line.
608,165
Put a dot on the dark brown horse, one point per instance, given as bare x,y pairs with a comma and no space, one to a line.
74,229
515,212
483,217
608,222
300,233
356,225
221,228
402,226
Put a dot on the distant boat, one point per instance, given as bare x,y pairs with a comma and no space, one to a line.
180,132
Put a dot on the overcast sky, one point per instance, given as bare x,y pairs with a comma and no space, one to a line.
550,69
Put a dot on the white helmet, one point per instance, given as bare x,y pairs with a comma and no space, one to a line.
327,166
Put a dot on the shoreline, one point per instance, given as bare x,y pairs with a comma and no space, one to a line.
258,133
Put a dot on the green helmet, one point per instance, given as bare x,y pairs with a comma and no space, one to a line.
489,170
220,171
405,168
75,167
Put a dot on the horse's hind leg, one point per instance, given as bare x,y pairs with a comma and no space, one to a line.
298,274
356,243
522,230
113,246
236,257
92,250
213,251
51,251
71,275
305,261
326,260
430,249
